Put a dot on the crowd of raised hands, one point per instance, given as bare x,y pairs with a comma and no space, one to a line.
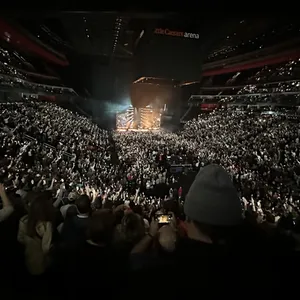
44,146
260,152
71,177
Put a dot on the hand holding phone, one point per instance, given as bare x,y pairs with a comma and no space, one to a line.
164,219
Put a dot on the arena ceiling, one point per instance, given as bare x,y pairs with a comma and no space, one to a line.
115,35
98,45
91,40
106,34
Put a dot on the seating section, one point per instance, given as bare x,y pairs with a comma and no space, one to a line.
252,35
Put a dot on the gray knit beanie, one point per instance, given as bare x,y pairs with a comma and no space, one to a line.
212,198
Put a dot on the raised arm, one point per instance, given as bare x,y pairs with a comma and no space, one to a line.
7,209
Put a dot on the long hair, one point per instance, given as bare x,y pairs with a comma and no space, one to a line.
40,210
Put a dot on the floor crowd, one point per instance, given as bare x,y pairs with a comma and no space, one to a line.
88,211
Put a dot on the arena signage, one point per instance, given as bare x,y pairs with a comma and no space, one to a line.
176,33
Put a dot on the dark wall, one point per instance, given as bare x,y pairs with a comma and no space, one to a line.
169,56
103,78
123,76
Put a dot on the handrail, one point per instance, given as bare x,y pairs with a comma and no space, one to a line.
39,84
240,57
230,87
277,59
242,95
37,74
28,137
30,73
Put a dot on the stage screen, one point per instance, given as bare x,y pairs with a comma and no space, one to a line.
123,121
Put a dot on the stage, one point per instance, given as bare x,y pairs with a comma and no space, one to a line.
138,130
138,119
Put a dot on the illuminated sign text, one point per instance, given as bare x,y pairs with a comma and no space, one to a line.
176,33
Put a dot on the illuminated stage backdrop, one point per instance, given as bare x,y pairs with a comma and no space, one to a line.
138,118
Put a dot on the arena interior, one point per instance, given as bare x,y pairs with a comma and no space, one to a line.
140,148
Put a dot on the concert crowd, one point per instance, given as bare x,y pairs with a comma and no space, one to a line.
89,211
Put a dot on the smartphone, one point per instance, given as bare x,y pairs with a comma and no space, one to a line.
164,219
